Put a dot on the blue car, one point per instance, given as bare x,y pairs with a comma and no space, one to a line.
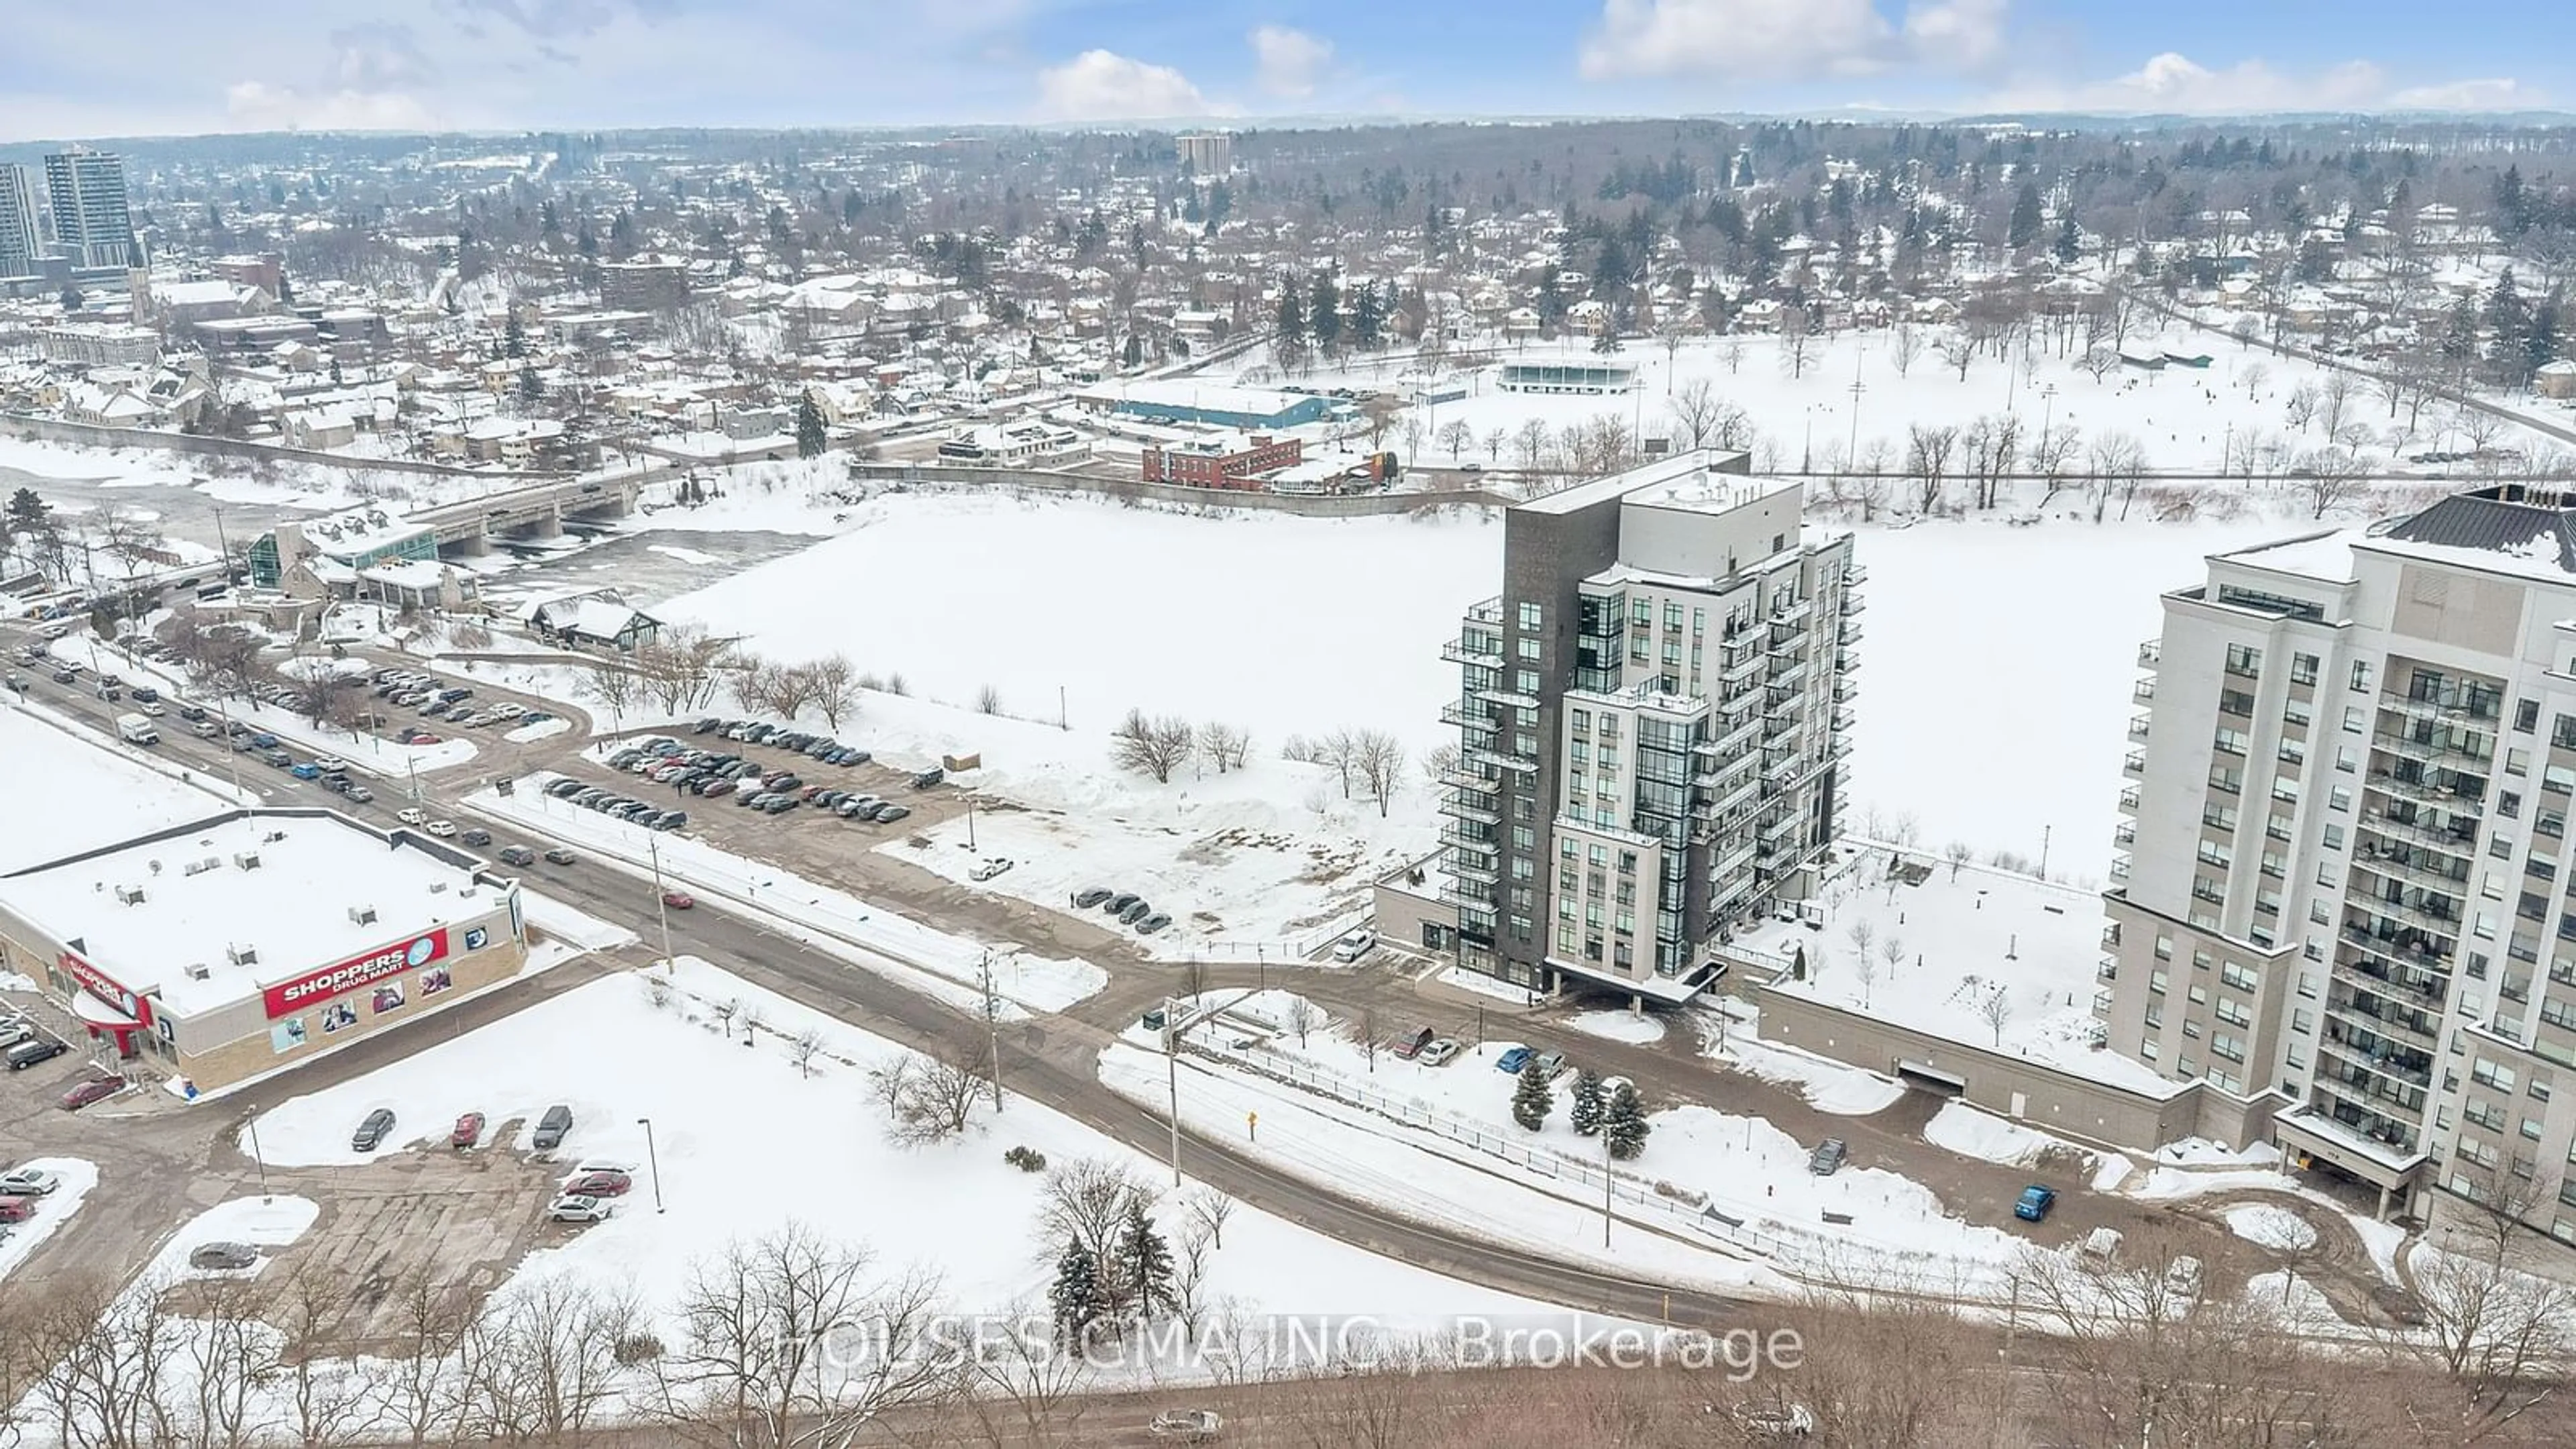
264,740
306,771
2035,1203
1513,1060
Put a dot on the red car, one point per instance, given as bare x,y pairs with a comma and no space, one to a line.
16,1209
469,1130
97,1089
678,900
599,1184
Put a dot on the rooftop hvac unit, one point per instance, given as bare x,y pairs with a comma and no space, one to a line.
242,955
362,915
198,972
438,887
272,837
129,895
199,867
246,859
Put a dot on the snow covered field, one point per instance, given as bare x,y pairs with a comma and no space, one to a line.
52,1210
87,791
746,1145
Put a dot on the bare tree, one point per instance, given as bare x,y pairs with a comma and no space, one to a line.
2333,399
1226,746
2119,464
1024,1369
549,1360
1996,1011
1379,757
1694,408
1212,1208
1440,762
2327,477
683,666
1956,349
790,1344
988,699
1958,853
2052,455
429,1317
1530,444
1339,752
2301,406
328,1397
1155,747
926,1099
1303,1017
1904,347
1927,461
613,685
803,1048
833,683
103,1388
2099,362
1797,340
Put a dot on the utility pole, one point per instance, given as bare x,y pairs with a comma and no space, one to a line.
250,1122
661,906
654,1158
1172,1080
1605,1185
1851,450
992,1030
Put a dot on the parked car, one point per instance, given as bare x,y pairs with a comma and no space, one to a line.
306,771
928,778
1547,1065
1153,923
476,836
331,764
2034,1203
372,1132
1828,1157
1090,896
222,1257
559,856
2182,1275
678,900
986,870
414,816
35,1053
1513,1060
1410,1045
1439,1053
96,1089
469,1130
517,855
889,812
441,828
1353,946
1134,913
17,1209
359,793
578,1209
552,1127
28,1182
599,1184
1187,1426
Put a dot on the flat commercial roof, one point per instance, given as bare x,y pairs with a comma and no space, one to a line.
292,909
1676,469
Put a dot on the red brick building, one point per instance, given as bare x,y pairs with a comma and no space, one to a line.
1236,462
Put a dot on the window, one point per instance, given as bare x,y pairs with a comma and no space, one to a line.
2509,804
2355,720
2164,948
2237,976
2244,659
2526,715
2235,701
2227,1045
2197,994
1524,839
1531,616
2487,1074
2148,1050
2562,732
2303,669
2334,837
1525,681
2339,798
2361,676
2557,779
1529,648
2234,1013
2297,712
2347,759
2156,982
2302,1020
2230,742
2517,761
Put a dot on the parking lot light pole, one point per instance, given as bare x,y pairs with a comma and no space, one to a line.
250,1122
652,1159
661,905
1605,1184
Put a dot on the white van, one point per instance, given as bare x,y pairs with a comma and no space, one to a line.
2100,1250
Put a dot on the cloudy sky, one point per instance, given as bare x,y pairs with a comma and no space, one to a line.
138,67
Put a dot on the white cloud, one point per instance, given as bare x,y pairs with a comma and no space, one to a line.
2175,83
257,106
1102,85
2498,93
1289,61
1770,41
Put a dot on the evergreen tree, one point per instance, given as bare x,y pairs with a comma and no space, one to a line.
335,372
1288,333
1145,1263
588,242
2315,263
1531,1100
1625,1124
2508,320
2070,239
1585,1115
1368,319
1324,315
285,289
2022,231
531,387
1551,298
549,220
2540,342
514,338
810,437
1135,352
1076,1295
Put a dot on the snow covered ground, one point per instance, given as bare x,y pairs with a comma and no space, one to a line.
52,1210
877,938
1618,1026
88,791
261,1222
746,1145
2272,1227
1829,1086
367,754
1966,941
1972,1133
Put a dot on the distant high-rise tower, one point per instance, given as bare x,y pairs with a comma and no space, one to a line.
19,242
1207,153
90,220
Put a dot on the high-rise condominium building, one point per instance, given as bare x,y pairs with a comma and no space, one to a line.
1652,720
2342,894
19,242
1206,153
87,190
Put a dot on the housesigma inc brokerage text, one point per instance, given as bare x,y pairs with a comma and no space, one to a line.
1310,1343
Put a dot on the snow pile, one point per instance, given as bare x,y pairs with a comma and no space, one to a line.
2272,1227
544,729
1971,1133
262,1222
1828,1085
1624,1026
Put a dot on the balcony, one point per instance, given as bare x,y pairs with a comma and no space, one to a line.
2129,799
1845,688
2125,834
2109,970
1737,796
2413,960
1460,712
1462,836
2447,839
2135,766
1852,603
2137,728
2150,653
2434,709
2414,1028
1485,611
1457,651
2119,867
1787,677
1469,805
1785,826
1848,635
2444,751
1790,615
1842,721
1736,857
1855,574
1743,669
2442,789
1513,763
2384,1058
2143,692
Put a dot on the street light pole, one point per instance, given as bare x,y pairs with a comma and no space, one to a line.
654,1159
992,1030
661,906
1172,1076
1605,1185
250,1122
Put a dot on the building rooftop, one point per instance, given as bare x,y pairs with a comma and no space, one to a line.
2509,528
1678,472
2325,557
298,908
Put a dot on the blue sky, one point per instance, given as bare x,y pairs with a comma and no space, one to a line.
168,66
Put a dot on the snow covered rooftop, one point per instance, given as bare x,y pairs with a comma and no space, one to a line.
80,795
1967,935
2325,557
294,908
2509,529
